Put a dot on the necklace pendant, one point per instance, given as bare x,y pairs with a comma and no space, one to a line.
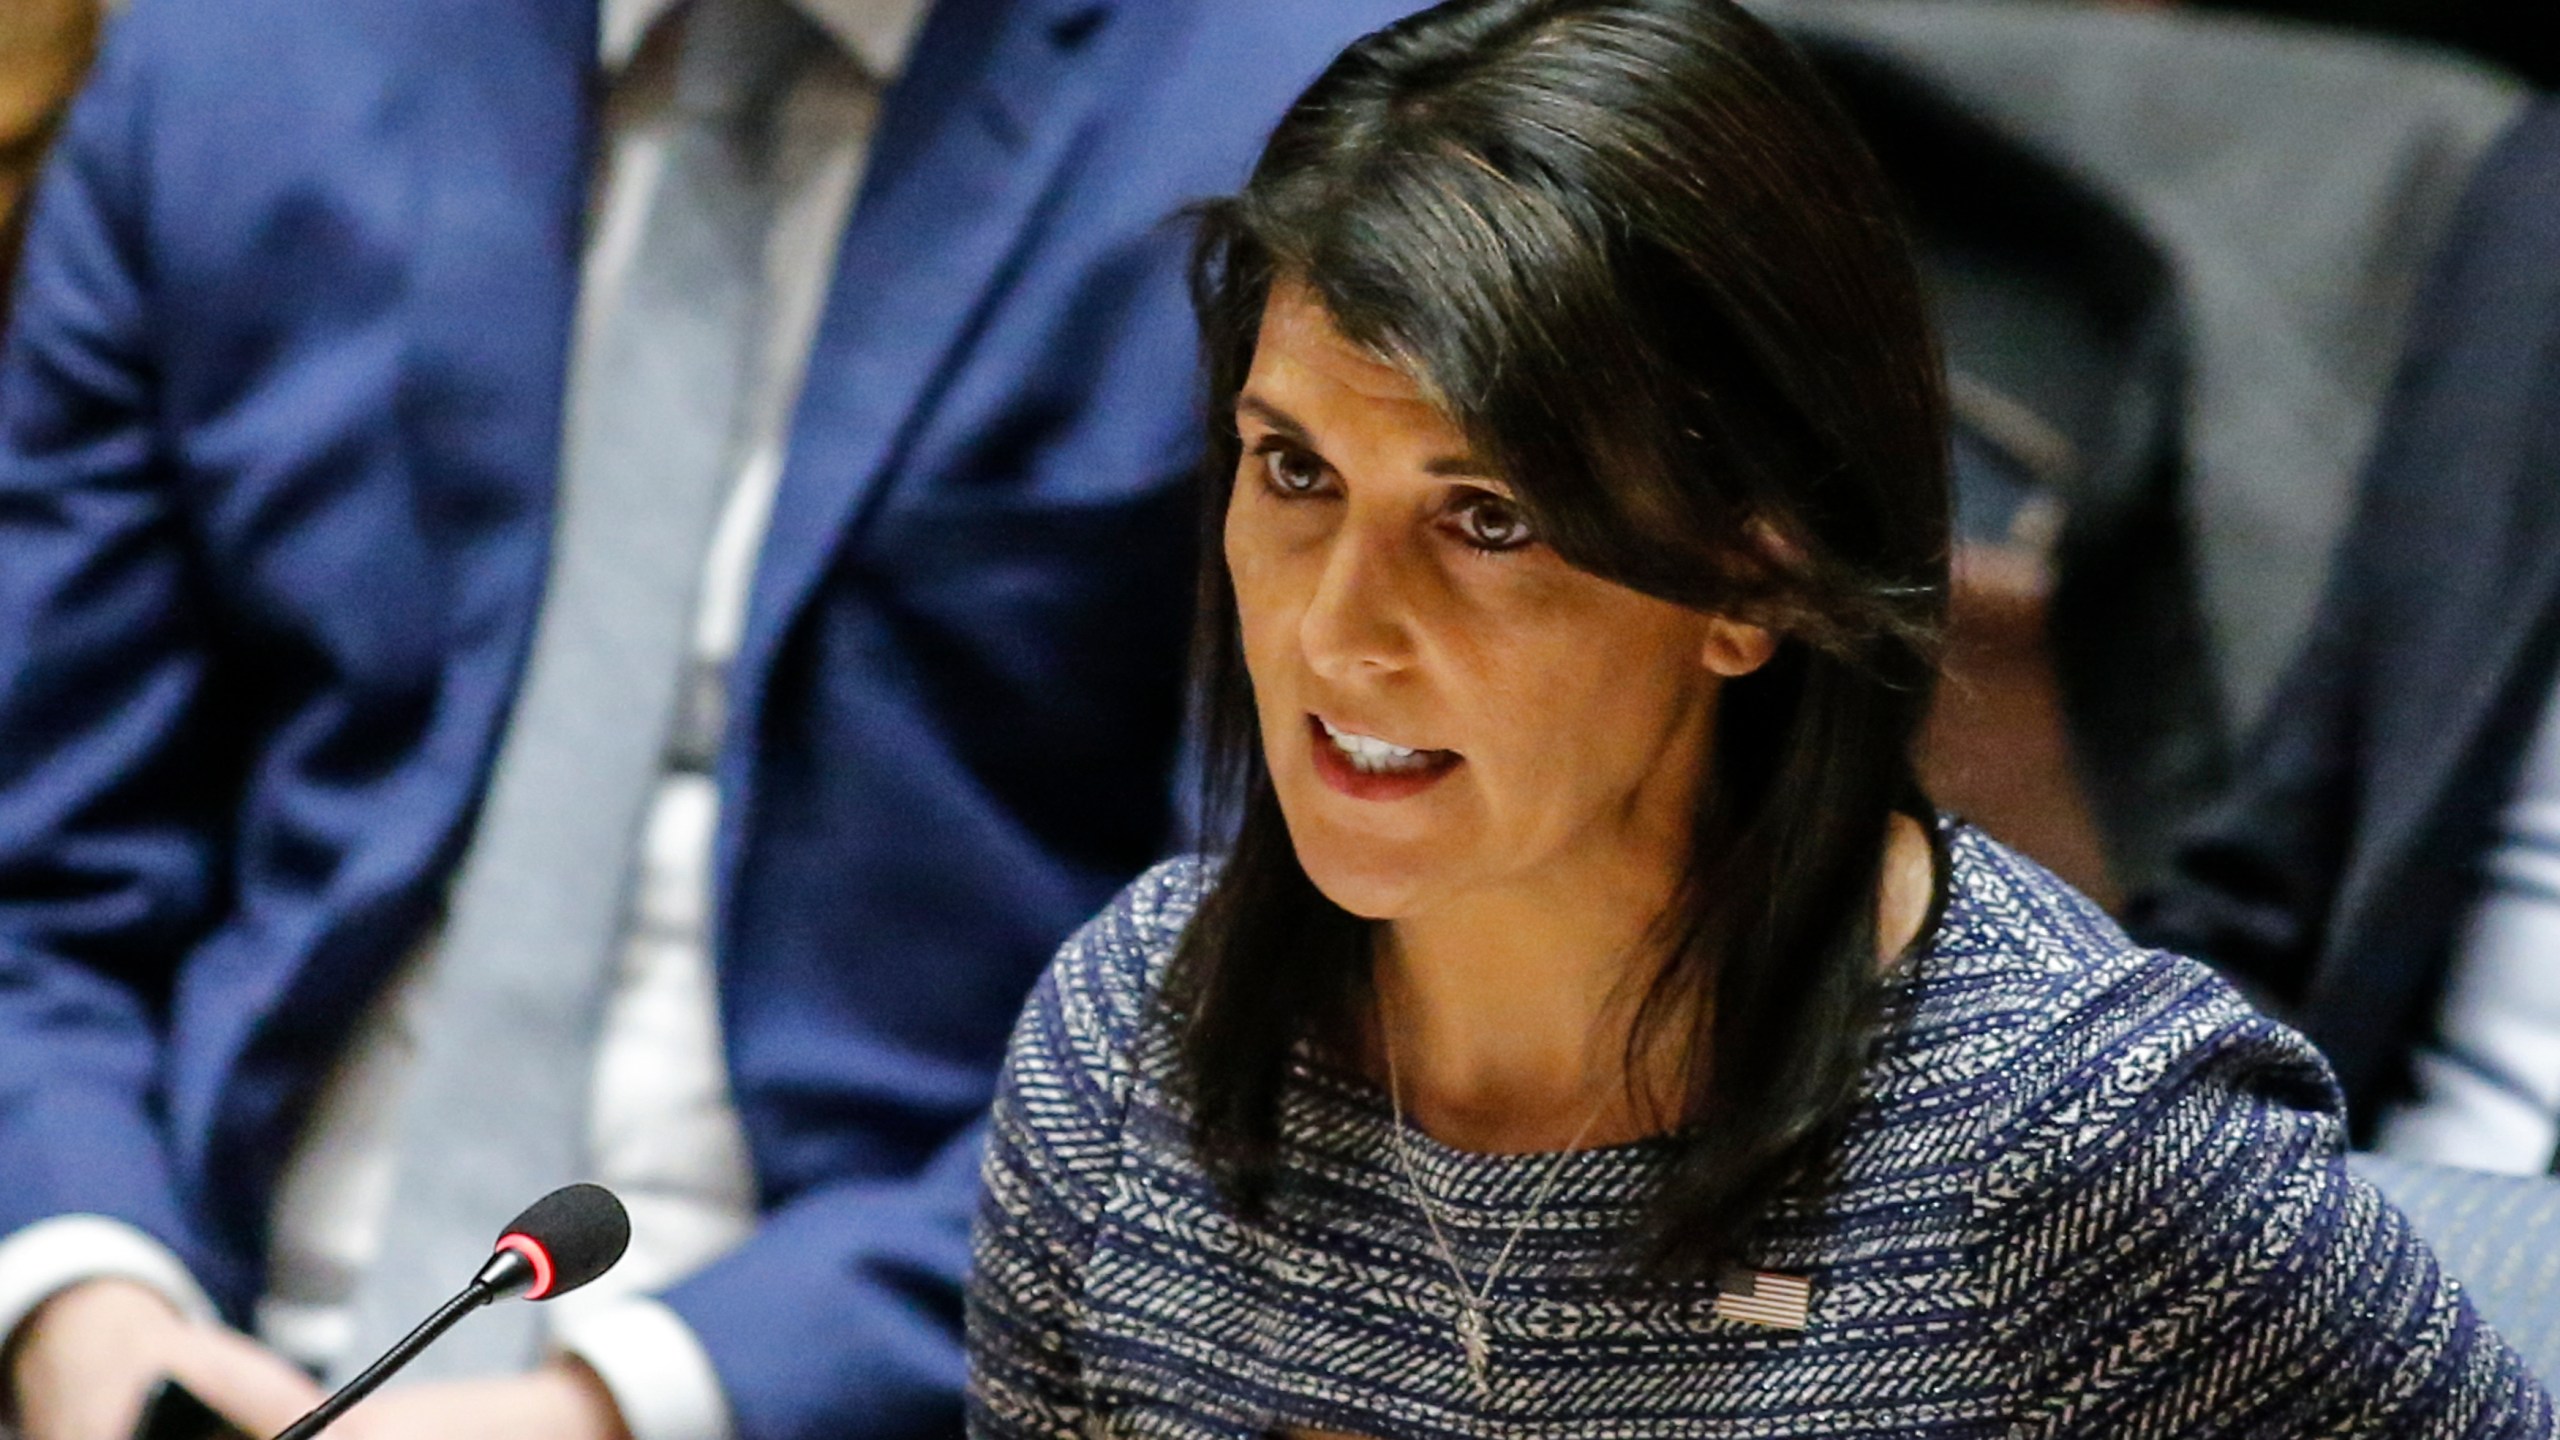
1471,1339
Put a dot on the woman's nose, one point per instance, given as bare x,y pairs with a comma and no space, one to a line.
1357,621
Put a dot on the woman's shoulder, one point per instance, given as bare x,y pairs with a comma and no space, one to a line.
2156,1196
1105,979
2032,997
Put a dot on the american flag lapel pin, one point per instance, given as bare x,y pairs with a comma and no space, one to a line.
1764,1297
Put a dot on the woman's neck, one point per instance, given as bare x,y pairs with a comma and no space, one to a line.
1510,1018
1509,1023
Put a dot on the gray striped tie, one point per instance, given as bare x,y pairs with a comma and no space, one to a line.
499,1091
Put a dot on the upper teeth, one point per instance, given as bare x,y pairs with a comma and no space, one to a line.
1368,751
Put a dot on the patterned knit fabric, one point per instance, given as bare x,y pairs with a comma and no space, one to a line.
2087,1192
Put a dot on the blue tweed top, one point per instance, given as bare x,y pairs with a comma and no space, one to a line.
2087,1192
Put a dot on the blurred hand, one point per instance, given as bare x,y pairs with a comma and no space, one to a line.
561,1401
86,1357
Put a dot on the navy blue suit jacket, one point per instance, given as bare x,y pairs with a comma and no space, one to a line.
2335,877
278,430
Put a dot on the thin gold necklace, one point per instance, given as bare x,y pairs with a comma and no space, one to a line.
1474,1339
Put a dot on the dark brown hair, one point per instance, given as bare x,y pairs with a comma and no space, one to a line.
1647,266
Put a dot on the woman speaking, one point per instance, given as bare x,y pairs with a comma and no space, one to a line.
1592,1031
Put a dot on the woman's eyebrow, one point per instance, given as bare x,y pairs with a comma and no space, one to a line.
1273,416
1460,467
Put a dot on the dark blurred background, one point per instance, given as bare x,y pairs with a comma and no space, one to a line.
2502,32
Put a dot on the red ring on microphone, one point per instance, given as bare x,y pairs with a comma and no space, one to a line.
531,1249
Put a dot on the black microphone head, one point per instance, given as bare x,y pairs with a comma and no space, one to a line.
569,1237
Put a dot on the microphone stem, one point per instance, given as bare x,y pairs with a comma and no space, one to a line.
389,1365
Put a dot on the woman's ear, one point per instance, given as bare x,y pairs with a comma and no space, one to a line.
1734,649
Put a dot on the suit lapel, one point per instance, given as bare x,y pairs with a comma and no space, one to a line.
503,136
2471,688
501,132
2495,652
971,148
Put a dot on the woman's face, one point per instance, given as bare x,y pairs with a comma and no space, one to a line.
1452,714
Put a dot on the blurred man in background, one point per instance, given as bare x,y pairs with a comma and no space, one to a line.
2385,871
44,49
583,591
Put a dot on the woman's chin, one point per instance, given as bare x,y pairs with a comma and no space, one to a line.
1366,880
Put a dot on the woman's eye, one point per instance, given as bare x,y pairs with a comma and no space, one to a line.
1489,522
1292,471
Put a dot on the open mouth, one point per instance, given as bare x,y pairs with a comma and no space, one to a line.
1372,768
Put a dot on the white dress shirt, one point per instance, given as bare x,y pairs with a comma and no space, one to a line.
663,1132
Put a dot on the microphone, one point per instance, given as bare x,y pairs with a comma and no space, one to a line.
559,1243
